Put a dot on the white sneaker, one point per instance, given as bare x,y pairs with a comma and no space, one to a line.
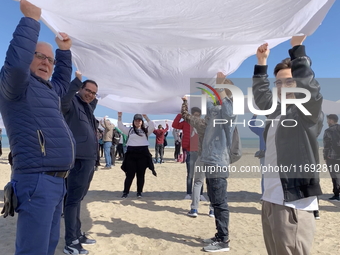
188,196
202,198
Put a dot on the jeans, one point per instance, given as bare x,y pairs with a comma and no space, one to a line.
107,150
197,190
40,200
190,162
78,183
159,149
217,192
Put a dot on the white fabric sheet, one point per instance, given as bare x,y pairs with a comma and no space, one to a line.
143,53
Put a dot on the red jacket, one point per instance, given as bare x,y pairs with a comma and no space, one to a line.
160,134
190,137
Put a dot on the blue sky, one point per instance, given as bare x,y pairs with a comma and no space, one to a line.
323,47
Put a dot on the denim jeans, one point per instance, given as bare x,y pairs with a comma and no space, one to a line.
107,154
217,192
190,162
159,149
40,199
197,189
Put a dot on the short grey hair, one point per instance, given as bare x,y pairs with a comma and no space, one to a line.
47,44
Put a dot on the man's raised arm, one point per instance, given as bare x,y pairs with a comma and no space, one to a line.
63,69
15,73
262,94
66,100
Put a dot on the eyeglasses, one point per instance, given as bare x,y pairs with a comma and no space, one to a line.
289,82
43,57
91,92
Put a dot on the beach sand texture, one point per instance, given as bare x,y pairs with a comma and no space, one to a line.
158,224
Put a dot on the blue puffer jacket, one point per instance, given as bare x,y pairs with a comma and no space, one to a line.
79,117
39,137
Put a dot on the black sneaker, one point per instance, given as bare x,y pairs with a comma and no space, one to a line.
75,248
337,198
139,194
86,241
124,195
217,246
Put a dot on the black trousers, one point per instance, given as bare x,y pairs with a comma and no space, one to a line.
177,150
78,183
334,167
113,154
136,165
101,150
120,151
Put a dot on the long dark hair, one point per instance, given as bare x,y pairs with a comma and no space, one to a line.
145,130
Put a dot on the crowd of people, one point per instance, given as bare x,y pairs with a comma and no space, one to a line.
55,154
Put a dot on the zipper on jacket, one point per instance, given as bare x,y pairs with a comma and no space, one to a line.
41,139
69,136
68,131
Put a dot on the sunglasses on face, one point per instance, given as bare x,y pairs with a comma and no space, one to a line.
43,57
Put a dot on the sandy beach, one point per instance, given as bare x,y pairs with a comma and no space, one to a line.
158,224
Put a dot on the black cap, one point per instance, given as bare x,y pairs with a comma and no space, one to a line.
333,117
138,117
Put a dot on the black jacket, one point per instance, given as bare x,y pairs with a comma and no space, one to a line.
297,147
328,140
141,150
79,117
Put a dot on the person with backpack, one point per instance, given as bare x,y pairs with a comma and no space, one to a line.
331,153
215,151
107,140
137,157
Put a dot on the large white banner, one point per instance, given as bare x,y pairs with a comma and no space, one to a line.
143,53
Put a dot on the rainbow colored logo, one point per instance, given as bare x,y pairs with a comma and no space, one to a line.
210,94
